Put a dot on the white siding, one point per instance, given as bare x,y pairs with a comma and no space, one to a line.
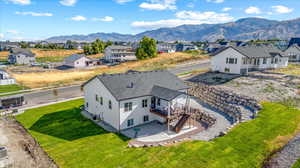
218,62
293,53
137,113
110,116
80,63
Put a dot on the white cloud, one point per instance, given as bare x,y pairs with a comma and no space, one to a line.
13,32
226,9
123,1
159,5
68,2
205,17
34,14
104,19
253,10
282,9
215,1
20,2
185,17
163,23
1,36
78,18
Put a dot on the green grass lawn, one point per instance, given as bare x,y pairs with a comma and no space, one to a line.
10,88
297,164
73,141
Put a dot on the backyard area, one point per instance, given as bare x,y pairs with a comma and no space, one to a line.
73,141
292,69
42,78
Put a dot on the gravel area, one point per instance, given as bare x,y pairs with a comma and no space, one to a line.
287,156
23,150
263,86
222,122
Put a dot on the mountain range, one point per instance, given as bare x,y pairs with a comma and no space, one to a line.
242,29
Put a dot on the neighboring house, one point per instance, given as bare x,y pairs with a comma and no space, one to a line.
294,41
241,60
185,47
5,78
293,52
166,48
78,61
118,53
21,56
134,98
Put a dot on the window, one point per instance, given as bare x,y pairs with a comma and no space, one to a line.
101,100
87,104
145,103
264,60
109,104
158,102
227,70
130,123
231,60
128,106
146,118
272,61
97,98
244,61
276,60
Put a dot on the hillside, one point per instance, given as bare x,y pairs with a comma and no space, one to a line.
243,29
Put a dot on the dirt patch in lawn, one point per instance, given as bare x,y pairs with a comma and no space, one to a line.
23,150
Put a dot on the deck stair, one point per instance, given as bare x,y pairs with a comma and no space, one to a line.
180,124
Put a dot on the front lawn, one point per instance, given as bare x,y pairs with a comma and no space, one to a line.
10,88
297,164
73,141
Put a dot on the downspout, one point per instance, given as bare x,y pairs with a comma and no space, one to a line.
119,117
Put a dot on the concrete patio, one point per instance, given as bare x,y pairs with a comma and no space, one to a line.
154,132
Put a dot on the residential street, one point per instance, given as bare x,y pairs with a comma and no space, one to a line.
58,94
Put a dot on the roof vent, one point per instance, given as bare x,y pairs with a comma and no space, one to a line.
130,85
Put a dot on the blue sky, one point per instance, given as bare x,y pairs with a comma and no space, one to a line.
39,19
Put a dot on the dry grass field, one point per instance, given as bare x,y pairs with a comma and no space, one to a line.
60,78
3,55
46,55
292,69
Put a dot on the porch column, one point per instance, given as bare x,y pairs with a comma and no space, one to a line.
169,111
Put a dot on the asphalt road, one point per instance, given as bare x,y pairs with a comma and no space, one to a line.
58,94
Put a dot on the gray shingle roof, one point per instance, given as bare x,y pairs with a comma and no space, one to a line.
165,93
136,84
254,51
22,51
119,47
74,57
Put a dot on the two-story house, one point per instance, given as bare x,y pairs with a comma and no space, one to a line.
118,53
241,60
293,52
134,98
21,56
